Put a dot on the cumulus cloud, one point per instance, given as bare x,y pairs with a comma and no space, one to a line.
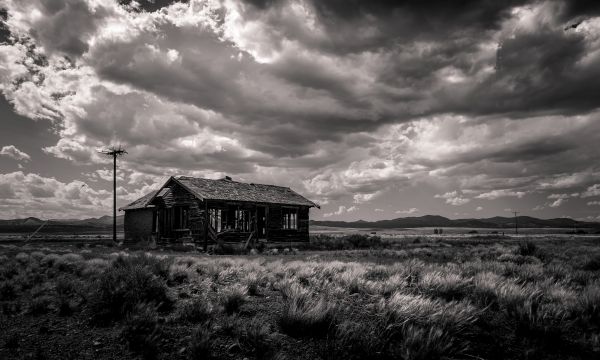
29,194
453,198
341,210
406,212
12,152
495,194
593,190
558,202
344,102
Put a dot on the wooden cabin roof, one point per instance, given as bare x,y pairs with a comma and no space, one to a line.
140,203
229,190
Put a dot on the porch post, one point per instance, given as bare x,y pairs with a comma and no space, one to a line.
205,225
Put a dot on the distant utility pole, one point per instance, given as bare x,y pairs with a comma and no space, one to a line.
516,223
115,152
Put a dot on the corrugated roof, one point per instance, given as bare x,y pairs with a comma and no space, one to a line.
229,190
141,202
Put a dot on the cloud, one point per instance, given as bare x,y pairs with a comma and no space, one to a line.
378,210
344,102
593,190
592,203
557,202
495,194
409,211
453,198
341,210
479,208
12,152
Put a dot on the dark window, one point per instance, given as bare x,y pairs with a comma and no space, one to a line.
215,219
181,217
290,218
242,220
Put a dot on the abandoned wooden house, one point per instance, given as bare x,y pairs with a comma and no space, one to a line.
206,211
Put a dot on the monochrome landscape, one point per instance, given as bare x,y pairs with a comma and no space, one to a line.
299,179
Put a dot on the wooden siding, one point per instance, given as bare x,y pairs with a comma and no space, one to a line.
168,204
138,224
275,232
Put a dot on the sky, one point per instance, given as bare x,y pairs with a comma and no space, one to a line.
373,109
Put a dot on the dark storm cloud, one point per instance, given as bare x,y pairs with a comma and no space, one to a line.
150,5
537,72
350,99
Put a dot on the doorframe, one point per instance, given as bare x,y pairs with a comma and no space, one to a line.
265,222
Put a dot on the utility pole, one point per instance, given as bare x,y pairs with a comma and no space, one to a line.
516,224
115,152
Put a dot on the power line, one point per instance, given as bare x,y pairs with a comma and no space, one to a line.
115,152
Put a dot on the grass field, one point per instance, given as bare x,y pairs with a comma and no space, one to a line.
352,297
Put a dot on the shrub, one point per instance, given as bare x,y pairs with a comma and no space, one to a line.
200,343
70,263
120,288
68,291
256,337
305,316
22,257
8,290
196,310
254,281
428,343
232,298
49,259
589,304
142,331
447,286
526,248
12,341
8,269
229,249
363,340
40,305
592,264
415,309
156,265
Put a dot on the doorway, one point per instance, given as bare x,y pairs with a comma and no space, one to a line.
261,222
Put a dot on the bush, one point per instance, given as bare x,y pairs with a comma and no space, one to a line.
305,316
142,331
40,305
232,298
156,265
364,340
8,290
12,341
196,310
256,338
68,291
592,264
120,288
229,249
526,248
200,343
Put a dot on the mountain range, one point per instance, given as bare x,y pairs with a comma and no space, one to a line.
436,220
90,225
104,224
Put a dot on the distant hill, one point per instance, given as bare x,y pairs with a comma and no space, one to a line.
90,225
436,220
